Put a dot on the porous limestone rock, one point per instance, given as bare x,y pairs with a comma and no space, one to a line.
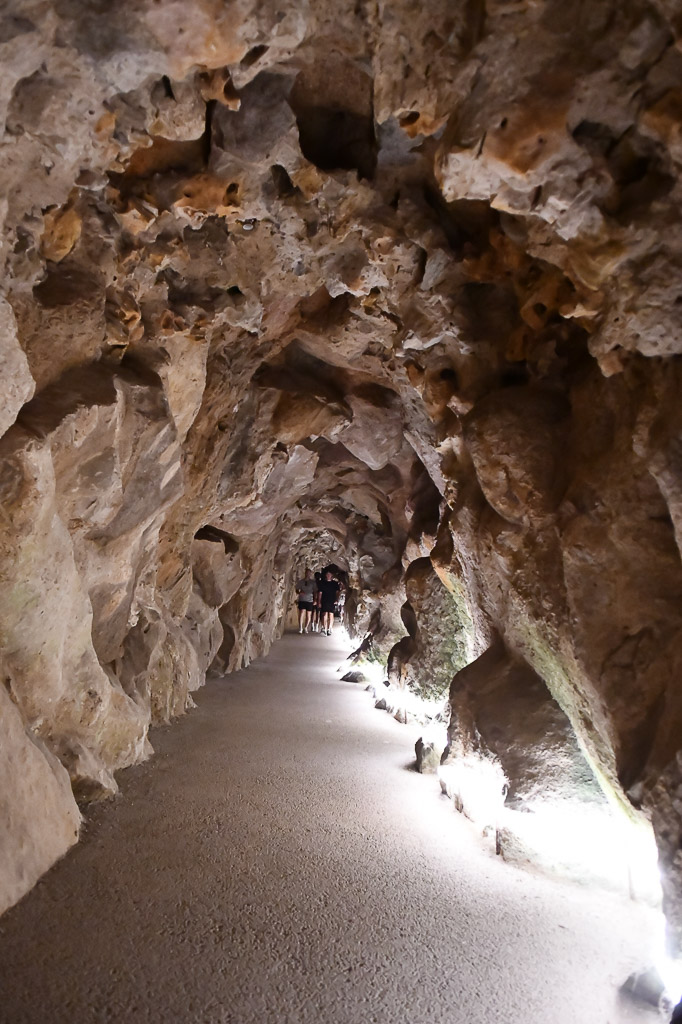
387,287
40,816
18,384
513,765
501,710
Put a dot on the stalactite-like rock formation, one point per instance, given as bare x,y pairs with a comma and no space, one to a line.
391,286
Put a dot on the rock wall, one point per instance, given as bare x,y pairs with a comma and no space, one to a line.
390,284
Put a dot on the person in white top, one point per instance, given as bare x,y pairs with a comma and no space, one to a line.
306,592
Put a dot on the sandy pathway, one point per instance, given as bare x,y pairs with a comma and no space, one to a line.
276,863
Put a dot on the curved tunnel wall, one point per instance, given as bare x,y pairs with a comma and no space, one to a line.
364,277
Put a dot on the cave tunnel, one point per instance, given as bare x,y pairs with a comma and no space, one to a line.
386,288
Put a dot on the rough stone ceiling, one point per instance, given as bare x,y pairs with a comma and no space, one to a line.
395,284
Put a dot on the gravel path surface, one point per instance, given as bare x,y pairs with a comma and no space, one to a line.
277,862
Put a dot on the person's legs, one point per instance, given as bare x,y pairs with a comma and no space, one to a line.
308,617
328,622
301,616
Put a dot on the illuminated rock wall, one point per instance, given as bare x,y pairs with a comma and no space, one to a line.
376,285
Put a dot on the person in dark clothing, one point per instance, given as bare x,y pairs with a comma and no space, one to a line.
327,593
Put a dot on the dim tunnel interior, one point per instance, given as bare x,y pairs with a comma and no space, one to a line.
358,288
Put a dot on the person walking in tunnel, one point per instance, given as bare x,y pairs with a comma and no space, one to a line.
327,594
317,614
306,591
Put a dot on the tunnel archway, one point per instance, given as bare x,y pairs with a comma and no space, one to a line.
279,289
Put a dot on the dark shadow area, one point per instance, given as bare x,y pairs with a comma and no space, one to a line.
332,101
